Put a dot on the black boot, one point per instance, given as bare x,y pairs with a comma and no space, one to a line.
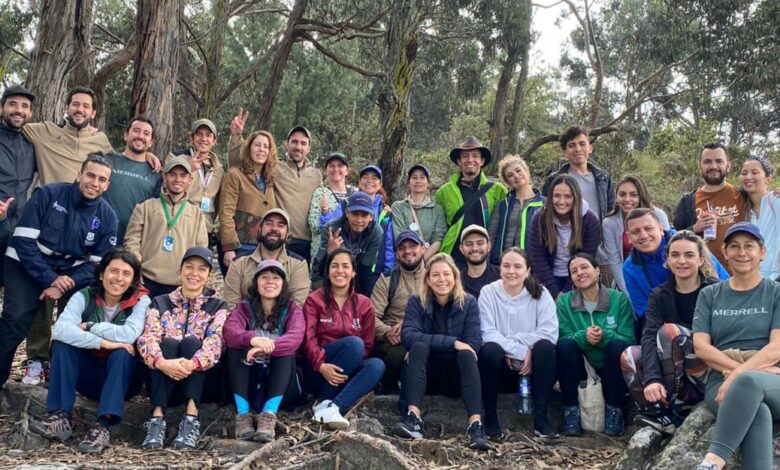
542,426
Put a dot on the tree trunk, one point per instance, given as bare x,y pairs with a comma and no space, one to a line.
214,60
499,108
54,56
85,66
394,100
520,88
117,62
275,75
156,65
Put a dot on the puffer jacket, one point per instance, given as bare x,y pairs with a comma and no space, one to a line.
462,325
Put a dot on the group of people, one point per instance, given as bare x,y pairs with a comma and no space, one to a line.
336,291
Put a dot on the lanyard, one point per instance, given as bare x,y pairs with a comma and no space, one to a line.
202,175
168,221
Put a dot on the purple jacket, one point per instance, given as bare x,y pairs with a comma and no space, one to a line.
239,331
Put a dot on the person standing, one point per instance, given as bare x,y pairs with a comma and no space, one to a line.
327,201
475,248
370,182
419,213
763,211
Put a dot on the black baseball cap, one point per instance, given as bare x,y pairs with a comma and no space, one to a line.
337,156
17,90
198,252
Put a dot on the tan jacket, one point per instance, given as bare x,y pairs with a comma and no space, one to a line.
145,233
294,187
60,151
241,271
241,209
388,315
213,180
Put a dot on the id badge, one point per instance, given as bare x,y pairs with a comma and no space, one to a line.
167,243
205,204
414,227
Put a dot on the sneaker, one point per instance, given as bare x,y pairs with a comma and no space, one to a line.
96,440
572,422
331,417
707,465
318,407
244,427
477,438
661,422
55,426
613,421
410,428
542,426
155,434
189,433
34,373
266,427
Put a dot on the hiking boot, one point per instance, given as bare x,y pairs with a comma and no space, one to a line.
572,421
662,422
331,417
477,438
34,373
189,433
96,440
55,426
411,427
613,421
266,427
155,434
244,427
542,426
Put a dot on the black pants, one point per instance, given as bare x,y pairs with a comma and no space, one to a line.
256,386
571,370
498,377
5,237
155,288
300,247
441,374
161,386
393,357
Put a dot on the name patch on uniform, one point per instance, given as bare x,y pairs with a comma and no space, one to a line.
95,224
59,208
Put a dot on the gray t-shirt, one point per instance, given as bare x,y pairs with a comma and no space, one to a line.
738,319
587,184
131,183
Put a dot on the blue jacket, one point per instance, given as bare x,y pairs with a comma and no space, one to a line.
462,325
62,233
643,272
502,211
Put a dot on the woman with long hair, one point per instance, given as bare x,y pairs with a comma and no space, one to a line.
631,193
327,200
441,332
338,341
519,325
663,373
418,212
563,226
763,209
370,182
510,222
247,194
596,324
93,352
262,335
736,332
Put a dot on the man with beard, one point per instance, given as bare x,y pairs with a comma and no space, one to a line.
62,233
271,244
716,205
17,162
391,293
468,198
475,247
162,229
133,180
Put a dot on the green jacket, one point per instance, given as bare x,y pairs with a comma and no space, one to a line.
450,199
612,314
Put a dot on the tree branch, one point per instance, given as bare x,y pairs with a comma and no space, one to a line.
340,34
190,90
15,51
113,36
248,73
340,60
227,17
116,63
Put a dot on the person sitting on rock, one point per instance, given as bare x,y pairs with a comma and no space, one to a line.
518,320
262,335
663,373
182,339
736,332
441,332
93,351
597,325
339,338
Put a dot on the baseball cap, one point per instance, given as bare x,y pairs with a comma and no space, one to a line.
744,227
407,235
373,168
278,211
204,123
298,128
419,166
360,201
267,264
337,156
17,90
173,162
473,228
198,252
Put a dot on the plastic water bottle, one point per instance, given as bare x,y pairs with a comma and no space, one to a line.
524,391
711,231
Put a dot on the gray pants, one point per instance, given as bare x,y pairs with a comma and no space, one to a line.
745,417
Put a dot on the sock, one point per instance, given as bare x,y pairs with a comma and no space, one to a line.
190,417
242,405
272,404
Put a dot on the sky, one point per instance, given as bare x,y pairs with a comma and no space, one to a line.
546,50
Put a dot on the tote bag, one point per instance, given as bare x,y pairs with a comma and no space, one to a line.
591,401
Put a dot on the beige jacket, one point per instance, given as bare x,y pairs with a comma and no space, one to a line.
242,208
60,151
388,315
145,233
241,271
293,189
197,190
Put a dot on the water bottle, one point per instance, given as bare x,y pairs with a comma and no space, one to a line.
524,391
711,231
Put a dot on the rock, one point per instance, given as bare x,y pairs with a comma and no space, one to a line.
689,443
367,425
364,452
642,447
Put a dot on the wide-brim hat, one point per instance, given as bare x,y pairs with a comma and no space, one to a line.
471,143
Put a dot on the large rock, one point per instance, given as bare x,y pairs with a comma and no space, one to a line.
643,446
690,441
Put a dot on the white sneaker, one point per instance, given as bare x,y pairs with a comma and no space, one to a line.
318,407
331,417
34,374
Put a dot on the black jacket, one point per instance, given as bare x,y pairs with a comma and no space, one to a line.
462,325
685,213
661,309
17,167
604,187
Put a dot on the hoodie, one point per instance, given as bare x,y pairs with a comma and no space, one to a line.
240,329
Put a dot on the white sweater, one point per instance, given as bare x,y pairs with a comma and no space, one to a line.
516,323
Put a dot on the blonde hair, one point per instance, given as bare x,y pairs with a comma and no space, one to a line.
457,294
508,162
269,167
707,268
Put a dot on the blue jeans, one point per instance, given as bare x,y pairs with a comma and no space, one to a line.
106,380
363,374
